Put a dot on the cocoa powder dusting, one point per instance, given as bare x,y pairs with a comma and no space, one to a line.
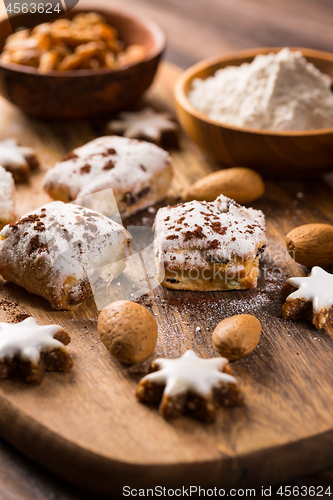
109,165
197,233
40,226
18,318
12,311
85,169
36,245
70,156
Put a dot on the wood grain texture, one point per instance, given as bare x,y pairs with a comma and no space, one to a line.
87,426
198,29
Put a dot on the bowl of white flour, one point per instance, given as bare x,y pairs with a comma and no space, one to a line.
269,109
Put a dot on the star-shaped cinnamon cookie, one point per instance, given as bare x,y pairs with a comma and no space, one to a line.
17,159
148,125
28,349
190,384
7,198
309,297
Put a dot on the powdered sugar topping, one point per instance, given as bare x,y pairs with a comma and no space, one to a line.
125,165
13,155
28,339
317,288
146,123
190,373
222,229
7,190
65,237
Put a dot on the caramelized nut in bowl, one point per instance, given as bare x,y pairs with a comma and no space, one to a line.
276,154
74,84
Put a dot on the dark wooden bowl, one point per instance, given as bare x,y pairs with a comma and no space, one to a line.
85,93
282,155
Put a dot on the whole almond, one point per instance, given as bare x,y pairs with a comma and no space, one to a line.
311,245
243,185
128,330
236,336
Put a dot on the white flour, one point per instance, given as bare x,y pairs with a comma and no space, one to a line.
280,91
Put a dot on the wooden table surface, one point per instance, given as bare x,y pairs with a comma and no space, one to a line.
196,29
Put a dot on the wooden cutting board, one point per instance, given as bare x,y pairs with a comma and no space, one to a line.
87,426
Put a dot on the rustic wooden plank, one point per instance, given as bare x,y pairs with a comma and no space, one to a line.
199,29
78,412
196,30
